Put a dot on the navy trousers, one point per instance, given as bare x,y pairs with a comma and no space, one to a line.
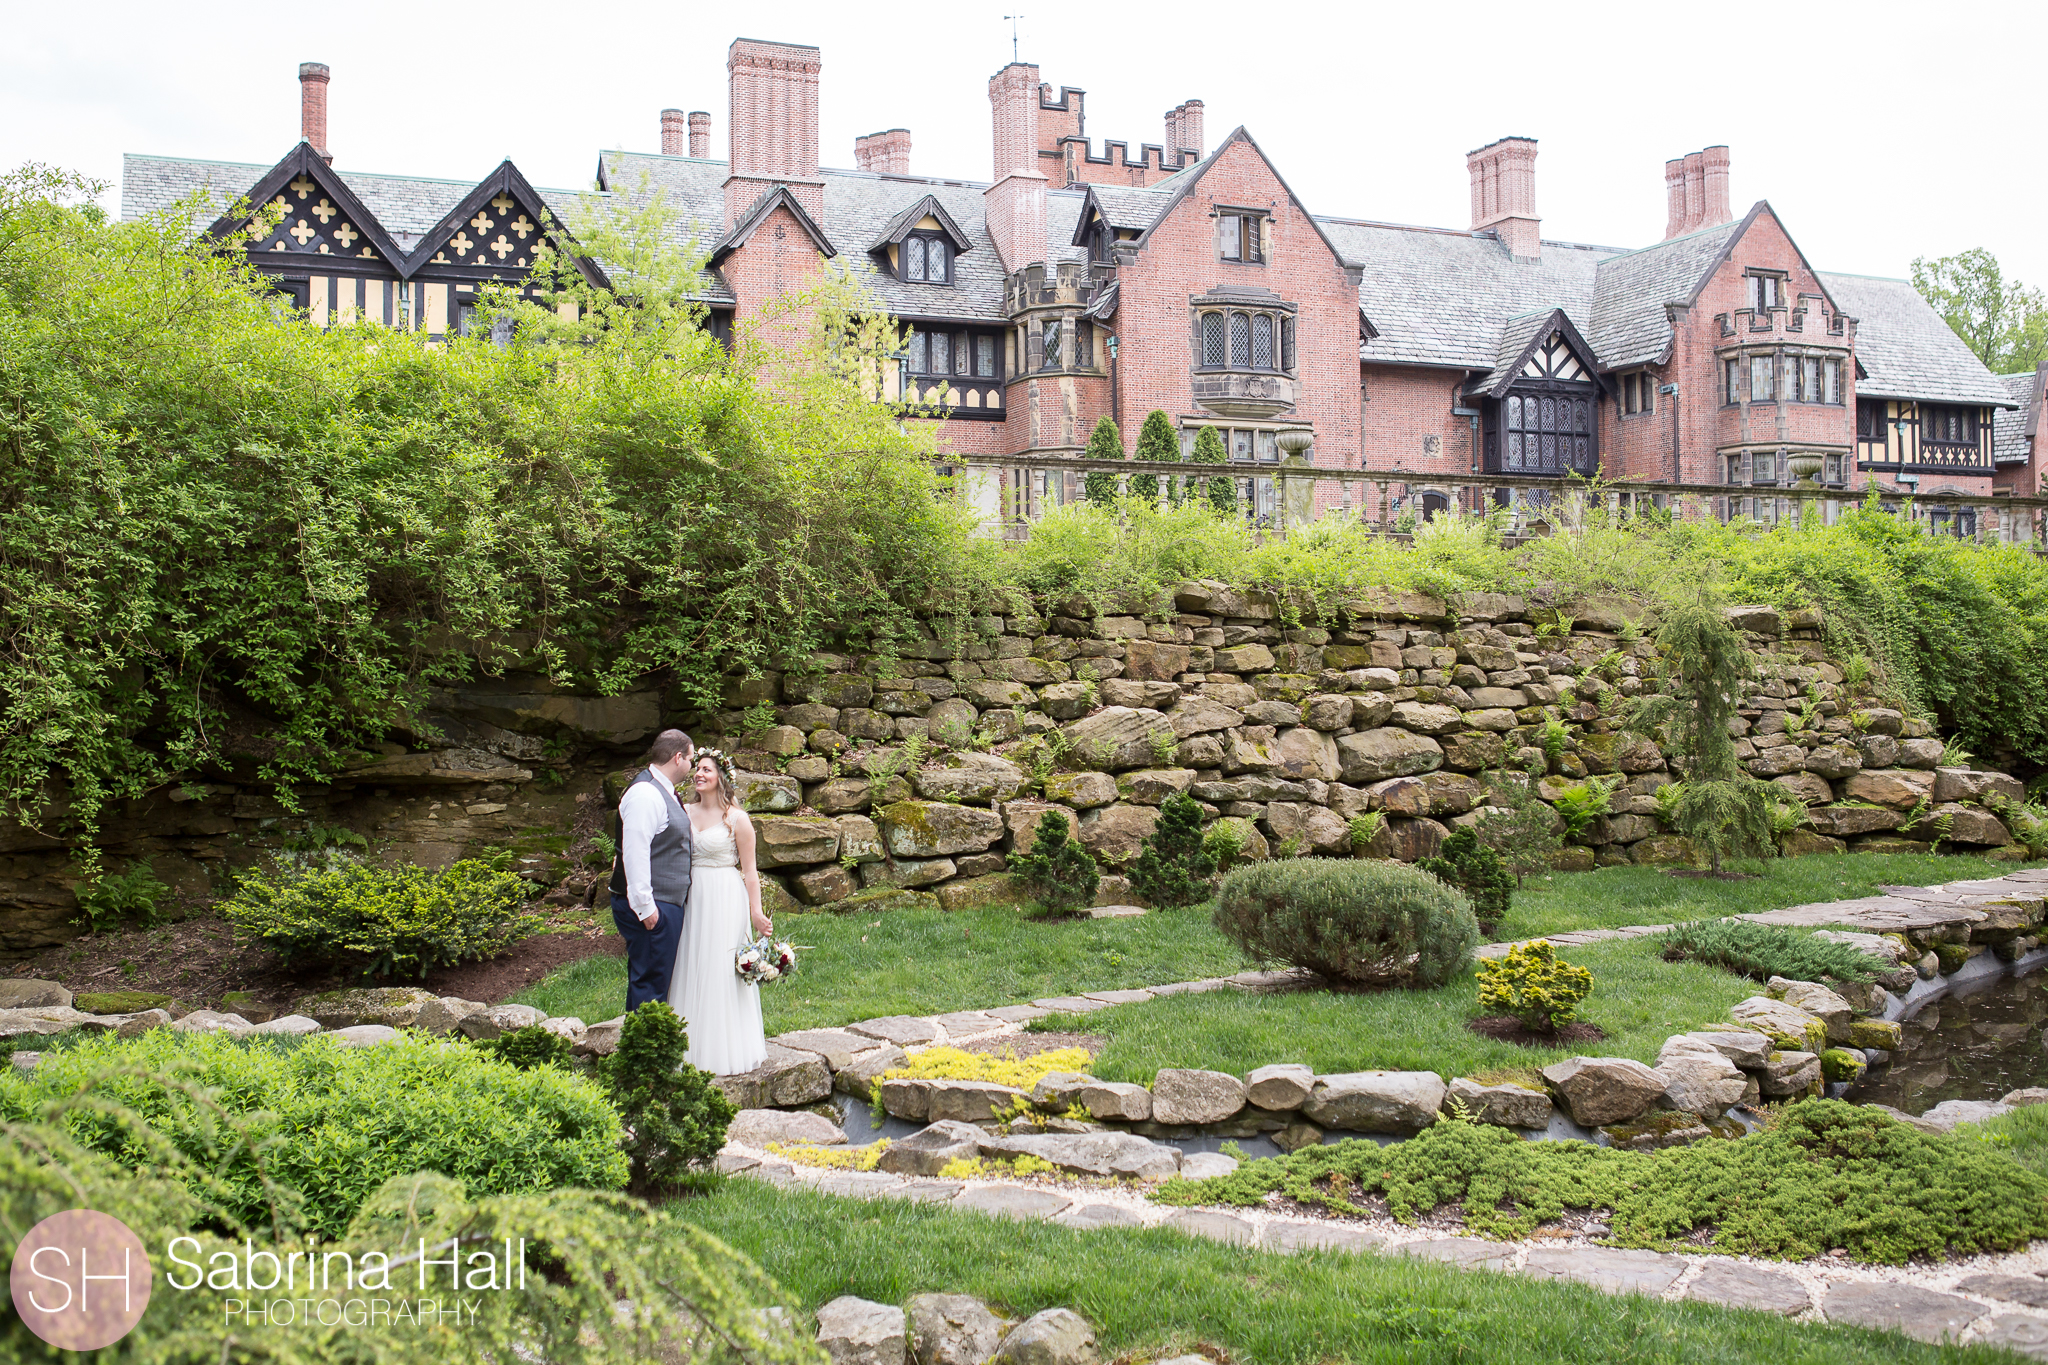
650,953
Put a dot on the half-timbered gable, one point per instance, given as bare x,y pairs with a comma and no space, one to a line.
488,237
305,228
1542,399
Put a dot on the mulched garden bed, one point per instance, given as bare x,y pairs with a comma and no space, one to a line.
197,962
1505,1028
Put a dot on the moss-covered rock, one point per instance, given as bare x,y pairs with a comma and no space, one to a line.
1952,956
126,1002
1874,1033
1842,1064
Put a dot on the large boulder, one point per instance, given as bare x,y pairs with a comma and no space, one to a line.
1201,716
759,1127
23,992
951,1329
1818,1001
1790,1073
1282,1086
1079,790
1120,737
1698,1078
1601,1090
928,1152
1317,828
1376,1101
1114,834
794,840
1110,1155
1152,661
1744,1049
933,829
975,779
1786,1025
1963,784
1152,786
1843,822
1185,1097
1429,718
856,1332
1375,755
1057,1336
392,1006
1301,752
1511,1106
767,793
1119,1100
978,893
1898,788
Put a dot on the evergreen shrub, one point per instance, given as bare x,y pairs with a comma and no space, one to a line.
1209,450
528,1048
1762,951
1104,443
325,1124
675,1117
1156,441
1058,872
1175,865
1352,921
1462,861
380,921
1536,986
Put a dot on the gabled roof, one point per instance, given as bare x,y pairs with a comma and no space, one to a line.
1181,184
1521,338
2013,434
1907,350
900,226
291,185
502,186
1630,323
1130,208
750,222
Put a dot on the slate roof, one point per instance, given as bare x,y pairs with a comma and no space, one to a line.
2009,433
408,206
1905,348
1630,326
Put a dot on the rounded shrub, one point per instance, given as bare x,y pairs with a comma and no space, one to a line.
1353,922
1535,985
327,1124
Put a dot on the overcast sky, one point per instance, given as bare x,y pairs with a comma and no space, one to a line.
1879,131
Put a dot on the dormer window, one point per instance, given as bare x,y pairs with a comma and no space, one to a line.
927,258
1241,237
1766,290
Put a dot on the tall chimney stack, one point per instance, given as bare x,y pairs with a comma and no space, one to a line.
700,134
772,121
1184,129
1696,192
1504,194
1016,200
313,108
674,132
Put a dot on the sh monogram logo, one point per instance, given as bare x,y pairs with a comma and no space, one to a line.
81,1280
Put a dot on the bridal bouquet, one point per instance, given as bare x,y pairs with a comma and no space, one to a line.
764,960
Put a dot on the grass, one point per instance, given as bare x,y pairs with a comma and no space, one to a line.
932,962
1153,1293
1637,998
1614,897
2021,1135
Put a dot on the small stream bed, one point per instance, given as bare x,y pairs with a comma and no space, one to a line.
1977,1041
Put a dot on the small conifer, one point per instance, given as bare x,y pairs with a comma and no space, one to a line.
1174,868
1476,870
1058,872
1104,443
1156,441
1209,450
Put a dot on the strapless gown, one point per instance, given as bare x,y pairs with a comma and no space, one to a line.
721,1012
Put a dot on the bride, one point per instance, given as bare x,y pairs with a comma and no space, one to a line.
721,1012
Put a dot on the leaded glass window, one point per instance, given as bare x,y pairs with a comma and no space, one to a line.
1212,339
1262,342
1240,341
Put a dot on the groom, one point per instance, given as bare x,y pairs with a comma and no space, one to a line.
651,879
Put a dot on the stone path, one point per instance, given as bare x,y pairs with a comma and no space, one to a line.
1999,1299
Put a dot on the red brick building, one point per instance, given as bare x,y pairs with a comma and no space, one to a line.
1189,278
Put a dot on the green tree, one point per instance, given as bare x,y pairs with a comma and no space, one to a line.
1209,450
1462,861
1156,441
1104,443
1058,872
675,1117
1723,809
1174,867
2002,320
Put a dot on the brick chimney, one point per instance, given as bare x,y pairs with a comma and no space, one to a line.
1504,194
313,108
1016,200
674,132
1184,129
886,152
700,134
1696,192
772,92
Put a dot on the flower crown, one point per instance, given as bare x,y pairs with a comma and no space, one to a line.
721,758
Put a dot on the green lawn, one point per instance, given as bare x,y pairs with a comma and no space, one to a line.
1152,1293
1638,998
930,962
1618,896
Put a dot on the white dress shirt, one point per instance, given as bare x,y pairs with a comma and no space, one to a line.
642,815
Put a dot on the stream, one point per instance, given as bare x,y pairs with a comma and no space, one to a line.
1976,1041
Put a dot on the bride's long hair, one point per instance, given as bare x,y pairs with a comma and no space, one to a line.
726,793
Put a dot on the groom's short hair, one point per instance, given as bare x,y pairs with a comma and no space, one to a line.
667,745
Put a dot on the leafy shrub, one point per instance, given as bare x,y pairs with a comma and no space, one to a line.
1225,844
1104,443
675,1117
1581,803
1534,985
111,900
1363,829
383,921
1352,921
1826,1174
954,1064
1058,872
1462,861
528,1048
326,1124
1174,868
1762,951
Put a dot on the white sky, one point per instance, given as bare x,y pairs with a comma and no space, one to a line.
1879,131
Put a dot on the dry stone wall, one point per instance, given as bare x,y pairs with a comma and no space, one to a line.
910,780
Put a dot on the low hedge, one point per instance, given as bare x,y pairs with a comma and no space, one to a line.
328,1124
1354,922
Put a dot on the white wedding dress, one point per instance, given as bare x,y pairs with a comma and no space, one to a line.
722,1012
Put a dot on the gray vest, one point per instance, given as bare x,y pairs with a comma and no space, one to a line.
668,852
